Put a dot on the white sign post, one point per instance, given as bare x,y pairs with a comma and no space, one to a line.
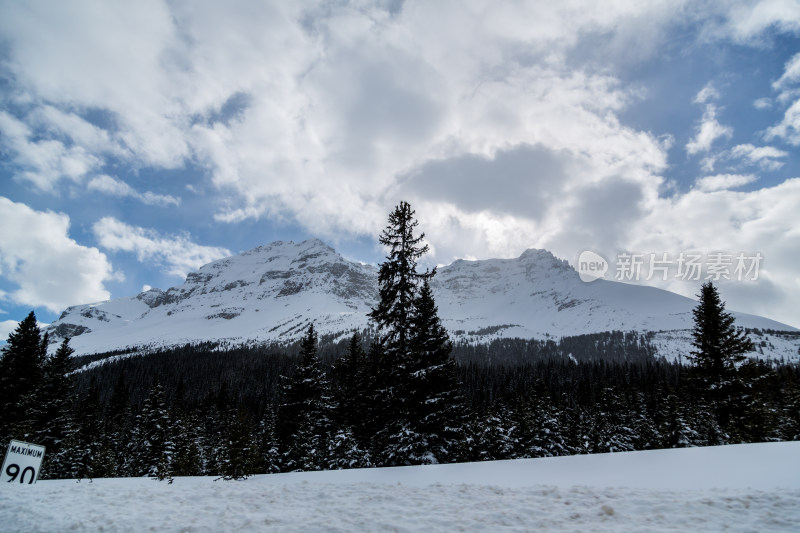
22,463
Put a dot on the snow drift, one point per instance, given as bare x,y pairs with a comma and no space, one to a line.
749,487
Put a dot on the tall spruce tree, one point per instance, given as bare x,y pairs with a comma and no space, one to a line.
378,400
395,442
154,436
305,411
436,408
21,377
119,427
398,282
56,420
86,447
188,446
423,412
238,456
719,348
348,372
268,460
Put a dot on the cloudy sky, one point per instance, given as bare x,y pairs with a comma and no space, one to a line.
140,140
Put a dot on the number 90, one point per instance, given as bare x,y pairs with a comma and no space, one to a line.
12,471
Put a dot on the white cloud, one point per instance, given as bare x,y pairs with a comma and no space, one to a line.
724,181
765,157
763,103
49,268
789,128
67,126
338,100
788,86
381,106
115,57
43,162
177,253
707,93
328,114
108,185
749,22
7,327
763,220
708,131
708,162
790,76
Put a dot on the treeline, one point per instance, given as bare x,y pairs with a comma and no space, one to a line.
196,411
609,346
252,373
399,399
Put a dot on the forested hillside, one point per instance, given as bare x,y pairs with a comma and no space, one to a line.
401,394
204,401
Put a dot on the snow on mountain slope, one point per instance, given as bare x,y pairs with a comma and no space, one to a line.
268,293
272,292
738,488
537,294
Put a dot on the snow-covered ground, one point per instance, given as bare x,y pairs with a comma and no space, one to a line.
753,487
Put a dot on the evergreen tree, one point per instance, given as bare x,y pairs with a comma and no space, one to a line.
719,348
398,282
423,412
154,438
788,407
119,427
56,420
238,456
544,438
304,415
349,374
678,432
611,431
436,407
268,460
379,401
86,447
188,458
344,451
213,409
579,427
706,422
355,389
645,425
21,377
493,434
756,419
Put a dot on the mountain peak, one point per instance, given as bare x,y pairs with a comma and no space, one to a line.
544,257
290,247
271,293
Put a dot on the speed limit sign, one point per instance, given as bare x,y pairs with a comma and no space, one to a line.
22,463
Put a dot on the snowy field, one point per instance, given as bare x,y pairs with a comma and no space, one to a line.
752,487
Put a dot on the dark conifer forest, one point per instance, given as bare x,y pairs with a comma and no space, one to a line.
400,393
196,411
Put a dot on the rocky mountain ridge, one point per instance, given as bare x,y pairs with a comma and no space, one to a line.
271,293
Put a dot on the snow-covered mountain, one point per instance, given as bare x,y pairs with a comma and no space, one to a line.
272,292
